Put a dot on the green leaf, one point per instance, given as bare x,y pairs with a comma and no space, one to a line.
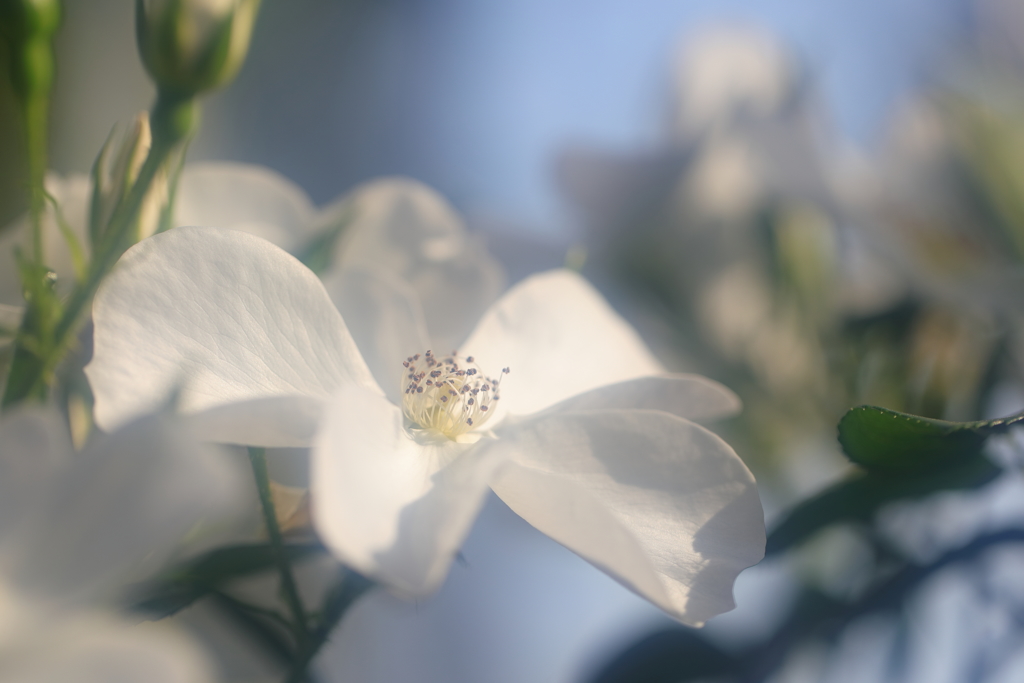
181,586
886,441
859,497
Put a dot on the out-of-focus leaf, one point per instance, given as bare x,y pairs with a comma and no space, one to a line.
671,655
181,586
857,498
317,254
271,639
347,590
348,587
886,441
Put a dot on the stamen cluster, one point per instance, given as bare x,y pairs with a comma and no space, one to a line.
448,396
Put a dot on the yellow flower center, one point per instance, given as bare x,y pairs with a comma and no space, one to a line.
447,396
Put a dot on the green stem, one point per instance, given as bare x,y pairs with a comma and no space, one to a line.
36,110
258,458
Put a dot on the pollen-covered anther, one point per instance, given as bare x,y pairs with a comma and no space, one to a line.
450,397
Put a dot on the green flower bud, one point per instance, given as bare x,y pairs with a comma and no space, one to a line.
189,46
112,183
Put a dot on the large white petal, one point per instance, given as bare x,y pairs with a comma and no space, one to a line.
34,446
221,315
273,421
117,510
679,491
245,197
393,509
385,318
406,229
560,338
689,396
92,647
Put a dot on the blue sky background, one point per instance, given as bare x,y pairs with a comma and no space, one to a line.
475,97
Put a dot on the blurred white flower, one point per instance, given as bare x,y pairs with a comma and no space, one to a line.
75,526
930,202
589,442
730,71
401,231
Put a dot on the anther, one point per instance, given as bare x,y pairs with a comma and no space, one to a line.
450,402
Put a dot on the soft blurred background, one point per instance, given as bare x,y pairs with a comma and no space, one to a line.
818,203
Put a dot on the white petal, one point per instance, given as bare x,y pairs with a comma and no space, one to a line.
34,447
689,396
99,648
393,509
245,197
119,507
560,338
673,486
386,321
223,315
406,229
275,421
569,513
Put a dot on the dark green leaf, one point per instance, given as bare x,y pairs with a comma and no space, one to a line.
886,441
857,498
273,640
181,586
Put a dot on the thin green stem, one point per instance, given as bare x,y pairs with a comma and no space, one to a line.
258,458
36,111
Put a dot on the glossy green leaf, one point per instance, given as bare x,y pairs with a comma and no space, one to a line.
886,441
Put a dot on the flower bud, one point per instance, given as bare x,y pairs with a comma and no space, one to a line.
112,183
189,46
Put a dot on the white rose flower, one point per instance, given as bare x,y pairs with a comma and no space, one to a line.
587,439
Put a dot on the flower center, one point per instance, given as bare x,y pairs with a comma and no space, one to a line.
448,396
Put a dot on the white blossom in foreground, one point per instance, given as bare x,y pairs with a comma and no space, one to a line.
587,440
75,526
